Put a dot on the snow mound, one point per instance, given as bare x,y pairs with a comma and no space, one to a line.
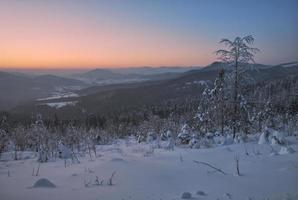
263,138
186,195
170,144
205,143
151,136
273,137
286,150
227,140
44,183
64,152
273,153
278,138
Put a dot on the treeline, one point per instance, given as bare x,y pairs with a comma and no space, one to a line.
45,135
272,104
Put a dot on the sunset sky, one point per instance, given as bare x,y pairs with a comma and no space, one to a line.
115,33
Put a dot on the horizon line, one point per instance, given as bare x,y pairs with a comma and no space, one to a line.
41,68
98,67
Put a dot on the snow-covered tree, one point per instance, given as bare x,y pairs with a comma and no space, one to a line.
185,134
212,107
244,115
91,141
205,108
18,139
3,140
237,54
218,97
39,139
4,137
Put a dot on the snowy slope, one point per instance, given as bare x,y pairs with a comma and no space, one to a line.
142,173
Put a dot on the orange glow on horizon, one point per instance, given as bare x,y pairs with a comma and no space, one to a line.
35,38
79,48
68,60
35,56
80,34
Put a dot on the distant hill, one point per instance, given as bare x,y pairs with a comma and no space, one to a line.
220,65
154,70
16,88
56,81
100,74
113,76
190,84
290,64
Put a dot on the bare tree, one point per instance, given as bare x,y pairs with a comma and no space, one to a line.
238,53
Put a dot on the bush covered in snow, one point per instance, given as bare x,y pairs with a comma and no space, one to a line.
184,136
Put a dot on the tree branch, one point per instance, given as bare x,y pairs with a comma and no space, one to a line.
211,166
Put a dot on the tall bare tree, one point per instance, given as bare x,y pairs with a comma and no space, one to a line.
238,52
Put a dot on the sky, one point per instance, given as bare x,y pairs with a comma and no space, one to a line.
129,33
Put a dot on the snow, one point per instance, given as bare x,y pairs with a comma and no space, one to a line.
272,136
263,138
286,150
65,152
184,135
228,140
144,173
294,64
59,96
61,104
202,82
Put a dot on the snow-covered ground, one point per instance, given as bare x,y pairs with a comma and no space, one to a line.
266,172
58,95
60,104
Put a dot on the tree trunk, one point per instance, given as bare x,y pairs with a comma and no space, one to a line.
222,96
235,99
222,119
